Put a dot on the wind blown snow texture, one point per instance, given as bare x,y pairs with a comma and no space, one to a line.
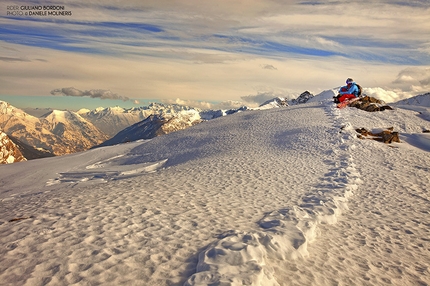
254,198
240,258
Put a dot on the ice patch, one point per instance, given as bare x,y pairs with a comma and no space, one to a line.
103,163
106,172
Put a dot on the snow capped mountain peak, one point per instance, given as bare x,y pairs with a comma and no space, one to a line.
65,117
274,103
303,98
117,108
83,111
325,95
112,110
100,111
59,132
58,115
8,110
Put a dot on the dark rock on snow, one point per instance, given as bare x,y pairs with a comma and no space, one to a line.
386,136
370,104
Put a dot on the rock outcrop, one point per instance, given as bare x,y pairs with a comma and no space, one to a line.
303,98
370,104
386,136
275,102
9,152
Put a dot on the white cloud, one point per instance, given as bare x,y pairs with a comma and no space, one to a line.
382,94
192,103
229,104
413,79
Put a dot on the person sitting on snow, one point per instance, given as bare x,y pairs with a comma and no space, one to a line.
347,92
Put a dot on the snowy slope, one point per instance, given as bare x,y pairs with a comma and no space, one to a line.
420,103
286,196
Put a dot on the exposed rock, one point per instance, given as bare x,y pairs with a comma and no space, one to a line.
9,152
386,136
370,104
275,102
29,152
303,98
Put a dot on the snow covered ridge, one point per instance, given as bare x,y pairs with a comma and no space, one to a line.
274,103
64,132
419,100
283,102
9,152
420,103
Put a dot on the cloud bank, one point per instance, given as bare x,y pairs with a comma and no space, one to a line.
93,93
413,79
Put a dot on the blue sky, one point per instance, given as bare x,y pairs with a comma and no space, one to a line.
199,52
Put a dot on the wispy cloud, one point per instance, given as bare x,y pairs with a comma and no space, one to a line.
8,59
261,28
201,50
268,67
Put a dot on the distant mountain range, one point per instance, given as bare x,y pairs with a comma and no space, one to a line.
155,125
112,120
58,132
64,132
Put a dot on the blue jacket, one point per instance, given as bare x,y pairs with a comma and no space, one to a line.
353,89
